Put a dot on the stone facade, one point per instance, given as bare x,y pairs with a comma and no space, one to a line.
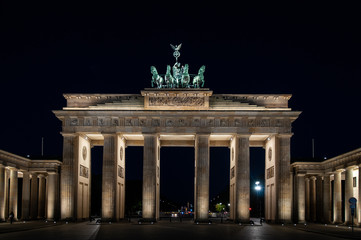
321,200
40,188
177,117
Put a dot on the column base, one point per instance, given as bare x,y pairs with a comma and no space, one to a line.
147,220
199,221
243,221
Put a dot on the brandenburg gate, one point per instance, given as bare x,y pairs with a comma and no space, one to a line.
175,117
176,111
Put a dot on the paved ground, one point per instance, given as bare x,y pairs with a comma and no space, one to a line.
175,231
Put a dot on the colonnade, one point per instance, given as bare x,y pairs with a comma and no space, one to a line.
77,155
39,192
322,194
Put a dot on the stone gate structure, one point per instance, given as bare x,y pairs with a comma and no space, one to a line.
175,117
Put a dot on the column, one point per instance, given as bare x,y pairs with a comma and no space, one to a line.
348,193
109,177
358,209
2,192
69,175
6,193
149,197
307,199
25,205
301,197
52,188
326,193
319,199
13,193
242,185
120,199
337,198
313,198
41,197
282,174
34,196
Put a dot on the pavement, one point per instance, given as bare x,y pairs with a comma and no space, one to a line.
173,230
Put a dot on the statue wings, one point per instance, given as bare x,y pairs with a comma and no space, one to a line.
176,47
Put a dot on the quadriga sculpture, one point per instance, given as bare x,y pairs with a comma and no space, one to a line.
198,81
156,79
185,77
169,79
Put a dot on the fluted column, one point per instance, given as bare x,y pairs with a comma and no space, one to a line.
282,176
2,192
149,197
337,198
319,198
242,176
307,199
359,196
52,188
34,196
13,193
6,193
326,193
69,175
109,177
313,198
41,197
201,193
301,197
25,205
348,193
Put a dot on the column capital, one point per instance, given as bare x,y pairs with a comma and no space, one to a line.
243,135
340,170
111,134
351,167
34,174
202,134
65,134
284,135
13,168
52,172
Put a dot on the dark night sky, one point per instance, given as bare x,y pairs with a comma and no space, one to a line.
309,49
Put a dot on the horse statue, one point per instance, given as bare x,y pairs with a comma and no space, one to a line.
169,79
185,77
156,79
198,81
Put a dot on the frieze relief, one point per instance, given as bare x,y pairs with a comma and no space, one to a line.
84,171
120,171
176,101
180,122
88,122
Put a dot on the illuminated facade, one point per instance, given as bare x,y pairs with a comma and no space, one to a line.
299,192
175,117
40,187
319,194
